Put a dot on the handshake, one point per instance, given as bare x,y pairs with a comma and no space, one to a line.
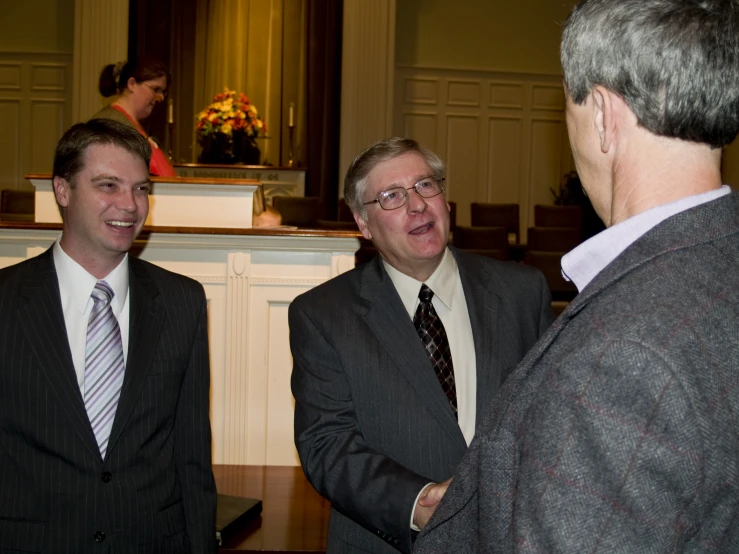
427,502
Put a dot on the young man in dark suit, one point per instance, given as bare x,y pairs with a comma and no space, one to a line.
619,431
104,384
396,361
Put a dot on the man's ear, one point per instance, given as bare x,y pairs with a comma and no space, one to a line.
362,224
604,116
61,191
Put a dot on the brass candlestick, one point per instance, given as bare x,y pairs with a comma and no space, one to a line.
290,133
170,127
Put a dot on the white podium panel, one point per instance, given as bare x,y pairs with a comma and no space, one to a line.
175,202
277,181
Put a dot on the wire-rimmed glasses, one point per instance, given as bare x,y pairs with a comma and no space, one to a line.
396,197
157,90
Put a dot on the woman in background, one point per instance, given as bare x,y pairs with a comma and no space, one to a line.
140,85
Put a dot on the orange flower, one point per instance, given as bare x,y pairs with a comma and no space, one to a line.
229,112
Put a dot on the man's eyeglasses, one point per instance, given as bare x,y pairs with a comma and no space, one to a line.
156,90
396,197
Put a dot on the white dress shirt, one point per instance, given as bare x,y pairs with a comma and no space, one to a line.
75,287
451,307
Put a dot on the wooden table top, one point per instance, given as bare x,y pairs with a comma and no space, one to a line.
294,517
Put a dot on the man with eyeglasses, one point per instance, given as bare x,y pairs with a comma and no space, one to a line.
396,361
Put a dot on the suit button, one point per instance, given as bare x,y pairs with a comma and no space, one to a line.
99,536
106,477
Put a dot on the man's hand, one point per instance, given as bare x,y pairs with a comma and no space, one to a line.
428,501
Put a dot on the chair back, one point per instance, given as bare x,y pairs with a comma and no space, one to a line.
337,225
301,211
482,239
496,215
549,263
553,239
452,216
557,216
345,212
17,205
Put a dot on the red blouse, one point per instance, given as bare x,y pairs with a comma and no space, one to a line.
159,165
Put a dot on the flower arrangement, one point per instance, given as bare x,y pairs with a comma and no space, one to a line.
230,112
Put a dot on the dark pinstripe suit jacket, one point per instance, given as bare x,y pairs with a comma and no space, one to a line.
155,491
372,424
619,432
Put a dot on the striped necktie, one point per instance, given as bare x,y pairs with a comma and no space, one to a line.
104,365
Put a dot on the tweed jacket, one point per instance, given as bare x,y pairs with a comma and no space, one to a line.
619,432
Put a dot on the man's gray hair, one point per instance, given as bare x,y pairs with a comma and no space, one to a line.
674,62
356,180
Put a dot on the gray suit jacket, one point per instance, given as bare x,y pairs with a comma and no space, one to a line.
619,432
154,491
372,424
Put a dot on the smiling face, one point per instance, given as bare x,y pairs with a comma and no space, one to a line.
144,95
104,208
412,238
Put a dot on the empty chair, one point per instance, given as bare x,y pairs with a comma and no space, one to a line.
488,241
17,205
557,216
498,254
366,252
301,211
496,215
337,225
549,264
345,213
553,239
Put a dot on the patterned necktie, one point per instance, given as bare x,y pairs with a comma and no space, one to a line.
104,365
432,333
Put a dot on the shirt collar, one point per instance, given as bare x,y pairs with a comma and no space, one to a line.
582,264
76,283
441,281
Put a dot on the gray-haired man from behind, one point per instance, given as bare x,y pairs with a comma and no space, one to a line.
619,432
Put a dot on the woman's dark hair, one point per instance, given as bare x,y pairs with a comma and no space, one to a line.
114,76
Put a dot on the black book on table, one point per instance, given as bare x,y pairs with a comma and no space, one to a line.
233,514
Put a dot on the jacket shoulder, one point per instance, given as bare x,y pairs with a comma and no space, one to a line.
168,282
16,273
333,292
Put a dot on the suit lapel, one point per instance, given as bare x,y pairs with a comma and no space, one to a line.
387,319
41,318
146,321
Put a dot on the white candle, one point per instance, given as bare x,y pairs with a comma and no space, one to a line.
170,112
291,122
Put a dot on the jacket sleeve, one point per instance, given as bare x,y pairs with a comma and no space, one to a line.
365,485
